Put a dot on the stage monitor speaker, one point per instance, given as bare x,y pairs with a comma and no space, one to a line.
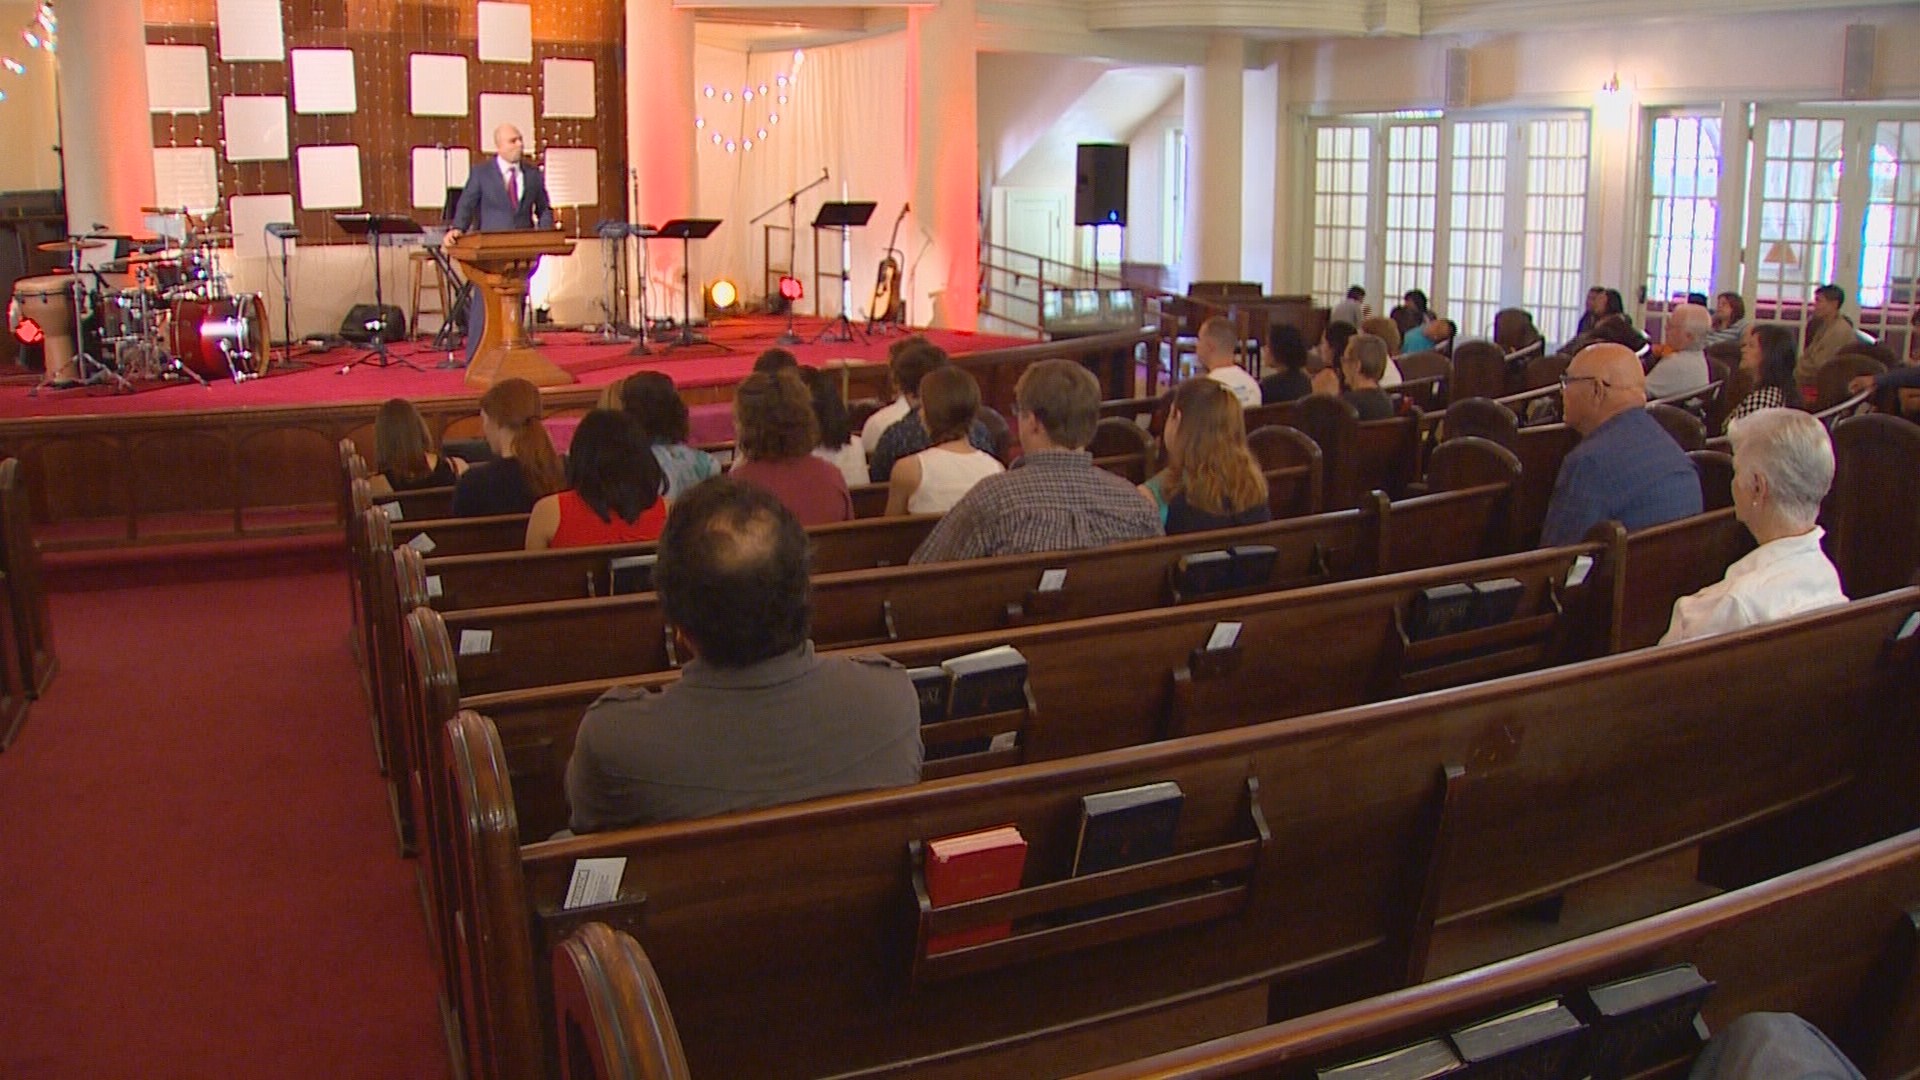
1857,67
356,327
1459,78
1100,185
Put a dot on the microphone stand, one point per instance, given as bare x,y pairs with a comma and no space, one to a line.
792,203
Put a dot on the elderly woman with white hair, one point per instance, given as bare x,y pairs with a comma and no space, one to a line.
1782,467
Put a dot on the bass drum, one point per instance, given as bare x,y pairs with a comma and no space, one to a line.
206,332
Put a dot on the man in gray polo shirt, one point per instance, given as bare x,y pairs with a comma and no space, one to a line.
756,718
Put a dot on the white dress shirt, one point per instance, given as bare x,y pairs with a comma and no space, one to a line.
1235,378
1790,576
1677,373
888,415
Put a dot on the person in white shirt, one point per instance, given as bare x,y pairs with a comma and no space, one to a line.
904,374
1683,370
931,481
1782,467
1352,310
1214,349
838,442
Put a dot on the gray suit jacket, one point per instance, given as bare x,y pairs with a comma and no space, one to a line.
483,202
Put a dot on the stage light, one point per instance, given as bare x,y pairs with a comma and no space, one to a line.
790,288
29,332
722,298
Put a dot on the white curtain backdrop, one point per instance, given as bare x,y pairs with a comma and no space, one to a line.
846,113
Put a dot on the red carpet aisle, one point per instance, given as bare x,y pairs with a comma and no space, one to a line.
199,876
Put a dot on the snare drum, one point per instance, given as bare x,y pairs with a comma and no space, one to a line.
48,301
205,333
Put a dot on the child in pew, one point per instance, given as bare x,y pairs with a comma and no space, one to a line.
1211,480
650,398
931,481
839,443
404,457
525,466
616,493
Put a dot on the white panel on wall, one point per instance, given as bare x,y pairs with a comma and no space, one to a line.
249,215
435,169
506,33
437,85
256,128
323,81
177,79
566,88
497,109
186,176
329,177
573,176
251,30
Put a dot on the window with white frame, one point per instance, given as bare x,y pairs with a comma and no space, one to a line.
1683,209
1413,186
1342,174
1476,243
1552,270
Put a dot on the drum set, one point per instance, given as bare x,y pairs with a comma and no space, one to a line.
160,314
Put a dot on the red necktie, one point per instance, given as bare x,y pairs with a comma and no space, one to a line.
513,187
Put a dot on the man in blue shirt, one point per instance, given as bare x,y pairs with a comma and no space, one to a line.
1626,468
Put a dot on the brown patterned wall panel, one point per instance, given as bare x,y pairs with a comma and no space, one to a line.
383,34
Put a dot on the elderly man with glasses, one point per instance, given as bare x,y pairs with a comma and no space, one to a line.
1626,468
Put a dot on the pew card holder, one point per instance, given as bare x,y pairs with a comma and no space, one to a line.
1190,706
887,632
627,914
1486,652
1004,733
1186,889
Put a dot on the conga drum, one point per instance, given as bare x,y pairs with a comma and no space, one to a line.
48,302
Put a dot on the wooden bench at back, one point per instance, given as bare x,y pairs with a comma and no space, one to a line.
1833,943
1315,859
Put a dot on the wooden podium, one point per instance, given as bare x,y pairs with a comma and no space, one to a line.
498,264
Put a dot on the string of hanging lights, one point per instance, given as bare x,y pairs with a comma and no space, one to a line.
41,32
771,97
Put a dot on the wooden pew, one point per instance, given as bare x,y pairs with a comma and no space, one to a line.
1872,521
417,505
27,660
1316,859
1753,944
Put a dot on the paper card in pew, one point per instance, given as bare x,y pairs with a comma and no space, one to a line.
1642,1021
971,866
1497,600
992,680
1534,1043
1253,564
933,686
1421,1061
1441,610
1203,572
1132,825
630,574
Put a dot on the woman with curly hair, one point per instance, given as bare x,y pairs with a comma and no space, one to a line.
774,436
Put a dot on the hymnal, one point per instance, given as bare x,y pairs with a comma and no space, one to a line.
1133,825
1203,572
990,681
1421,1061
1441,610
1535,1042
968,867
1253,564
630,574
932,685
1495,601
1642,1021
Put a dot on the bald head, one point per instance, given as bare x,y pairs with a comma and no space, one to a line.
509,143
1603,381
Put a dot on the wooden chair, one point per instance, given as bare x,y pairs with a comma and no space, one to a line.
1873,536
1716,478
1483,418
1830,382
1333,424
1687,429
1737,385
1121,447
1293,466
1428,364
1479,370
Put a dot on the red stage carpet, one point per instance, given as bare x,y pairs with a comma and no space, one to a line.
201,877
592,362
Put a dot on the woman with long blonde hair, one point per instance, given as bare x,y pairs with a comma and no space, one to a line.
1211,480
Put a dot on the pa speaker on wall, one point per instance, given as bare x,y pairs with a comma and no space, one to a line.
1856,71
1100,185
1459,78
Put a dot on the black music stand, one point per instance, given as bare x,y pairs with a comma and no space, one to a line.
642,233
844,216
373,227
687,230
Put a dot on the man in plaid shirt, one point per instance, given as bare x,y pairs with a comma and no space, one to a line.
1053,499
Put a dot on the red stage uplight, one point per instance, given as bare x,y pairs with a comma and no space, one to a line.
29,332
790,288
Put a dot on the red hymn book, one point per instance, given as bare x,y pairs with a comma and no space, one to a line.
968,867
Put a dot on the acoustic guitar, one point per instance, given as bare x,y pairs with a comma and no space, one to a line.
886,307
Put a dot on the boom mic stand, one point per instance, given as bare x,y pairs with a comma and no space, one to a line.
792,203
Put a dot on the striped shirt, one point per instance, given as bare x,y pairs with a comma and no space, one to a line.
1051,500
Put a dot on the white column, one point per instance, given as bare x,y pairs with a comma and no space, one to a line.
106,132
660,135
944,152
1213,125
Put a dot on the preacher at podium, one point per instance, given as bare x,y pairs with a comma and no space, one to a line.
510,195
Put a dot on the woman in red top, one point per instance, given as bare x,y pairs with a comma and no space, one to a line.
617,493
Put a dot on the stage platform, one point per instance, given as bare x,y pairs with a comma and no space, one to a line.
314,378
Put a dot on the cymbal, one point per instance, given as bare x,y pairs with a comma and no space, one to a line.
155,257
211,236
76,244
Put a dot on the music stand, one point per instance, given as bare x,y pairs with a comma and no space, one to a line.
844,216
642,233
373,227
687,230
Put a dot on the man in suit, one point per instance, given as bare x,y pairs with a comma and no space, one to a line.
510,194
